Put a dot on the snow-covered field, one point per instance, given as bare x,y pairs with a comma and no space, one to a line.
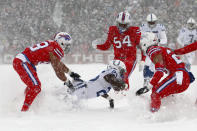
50,113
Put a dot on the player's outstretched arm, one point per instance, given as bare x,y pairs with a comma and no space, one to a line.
187,49
97,44
111,101
59,67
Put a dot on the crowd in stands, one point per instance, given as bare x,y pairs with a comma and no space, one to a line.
24,22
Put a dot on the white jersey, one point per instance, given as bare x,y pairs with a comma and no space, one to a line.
187,37
159,30
95,87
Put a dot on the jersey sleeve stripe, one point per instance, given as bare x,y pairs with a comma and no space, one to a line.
159,69
57,53
153,51
166,84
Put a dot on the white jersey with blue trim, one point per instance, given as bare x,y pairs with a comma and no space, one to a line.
159,30
95,87
185,38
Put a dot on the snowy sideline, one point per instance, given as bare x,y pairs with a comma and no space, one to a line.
50,113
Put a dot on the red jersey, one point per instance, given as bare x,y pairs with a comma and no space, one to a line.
124,44
171,63
39,53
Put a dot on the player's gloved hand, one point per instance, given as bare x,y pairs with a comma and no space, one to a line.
111,103
94,44
141,65
144,90
69,85
74,75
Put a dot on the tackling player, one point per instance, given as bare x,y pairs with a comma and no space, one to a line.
166,61
111,78
187,36
160,31
50,51
125,39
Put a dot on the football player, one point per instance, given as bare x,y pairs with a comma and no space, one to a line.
166,61
160,31
187,36
124,38
50,51
111,78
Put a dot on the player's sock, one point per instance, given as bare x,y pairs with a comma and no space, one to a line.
155,102
146,81
30,96
25,107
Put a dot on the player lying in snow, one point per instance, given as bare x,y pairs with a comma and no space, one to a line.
166,61
112,77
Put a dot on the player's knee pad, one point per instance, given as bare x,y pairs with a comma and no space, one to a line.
147,72
37,89
34,90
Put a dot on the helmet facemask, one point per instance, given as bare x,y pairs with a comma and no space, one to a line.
191,26
152,24
66,47
122,27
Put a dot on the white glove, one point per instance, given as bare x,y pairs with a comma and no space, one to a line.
95,43
141,65
179,77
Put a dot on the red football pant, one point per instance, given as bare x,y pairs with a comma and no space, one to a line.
167,87
130,64
29,76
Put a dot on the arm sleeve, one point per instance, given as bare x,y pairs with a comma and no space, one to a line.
108,42
158,74
163,39
187,49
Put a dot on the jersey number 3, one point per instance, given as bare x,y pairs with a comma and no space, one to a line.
39,46
126,40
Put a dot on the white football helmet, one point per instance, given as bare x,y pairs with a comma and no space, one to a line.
119,65
64,40
123,21
151,20
191,24
148,39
